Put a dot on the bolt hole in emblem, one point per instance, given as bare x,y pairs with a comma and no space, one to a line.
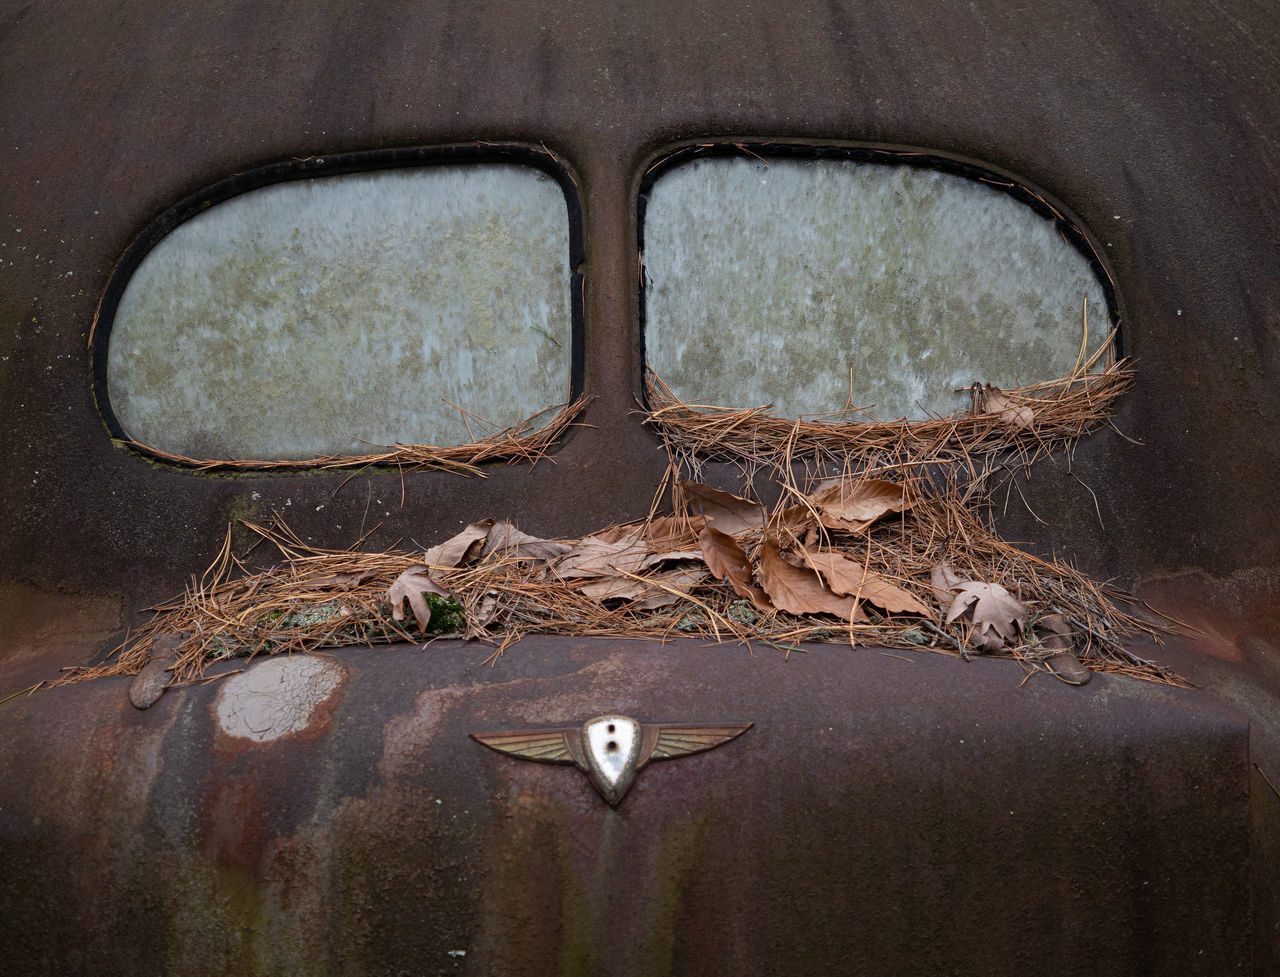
611,750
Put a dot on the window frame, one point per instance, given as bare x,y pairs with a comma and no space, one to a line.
667,158
538,157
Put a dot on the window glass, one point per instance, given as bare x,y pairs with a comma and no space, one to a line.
804,282
330,315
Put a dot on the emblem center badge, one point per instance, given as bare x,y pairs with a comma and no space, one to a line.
611,750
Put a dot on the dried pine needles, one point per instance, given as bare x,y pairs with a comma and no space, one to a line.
881,536
1023,424
528,441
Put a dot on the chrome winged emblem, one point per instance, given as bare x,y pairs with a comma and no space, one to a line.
611,750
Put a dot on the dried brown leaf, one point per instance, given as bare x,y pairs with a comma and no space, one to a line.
604,554
796,589
996,401
412,583
461,548
729,513
728,561
508,541
854,504
673,532
846,576
997,615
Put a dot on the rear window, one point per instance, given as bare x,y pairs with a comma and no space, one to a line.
810,282
335,313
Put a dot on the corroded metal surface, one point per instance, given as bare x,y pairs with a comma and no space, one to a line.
157,839
907,814
1141,146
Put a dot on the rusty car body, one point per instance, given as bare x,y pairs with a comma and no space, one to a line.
888,815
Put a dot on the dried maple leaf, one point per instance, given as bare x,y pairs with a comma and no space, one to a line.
998,616
996,401
728,561
854,504
729,513
798,590
845,576
412,583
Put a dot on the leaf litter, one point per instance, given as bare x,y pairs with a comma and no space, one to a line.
896,550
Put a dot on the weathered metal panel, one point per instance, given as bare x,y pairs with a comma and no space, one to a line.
1153,122
895,814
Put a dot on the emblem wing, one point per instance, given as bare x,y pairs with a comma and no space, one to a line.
675,739
543,745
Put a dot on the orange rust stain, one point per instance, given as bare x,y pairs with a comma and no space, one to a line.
44,631
1227,616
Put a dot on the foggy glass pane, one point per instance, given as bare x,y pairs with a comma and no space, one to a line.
329,315
807,282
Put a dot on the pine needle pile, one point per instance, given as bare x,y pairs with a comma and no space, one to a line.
528,441
882,536
1020,425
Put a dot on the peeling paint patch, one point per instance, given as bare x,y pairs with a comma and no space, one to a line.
276,697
